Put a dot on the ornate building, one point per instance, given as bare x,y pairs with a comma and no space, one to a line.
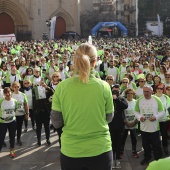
29,19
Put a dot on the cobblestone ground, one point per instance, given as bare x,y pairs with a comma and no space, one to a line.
31,157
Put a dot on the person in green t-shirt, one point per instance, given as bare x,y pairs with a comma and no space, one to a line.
163,164
83,105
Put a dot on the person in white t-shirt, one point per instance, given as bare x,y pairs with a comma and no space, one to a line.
130,122
22,110
8,106
149,110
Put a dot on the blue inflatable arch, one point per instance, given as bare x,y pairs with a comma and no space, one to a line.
109,24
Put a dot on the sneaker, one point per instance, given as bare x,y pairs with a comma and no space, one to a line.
4,144
135,155
39,143
145,161
19,143
48,143
114,164
25,130
118,166
12,154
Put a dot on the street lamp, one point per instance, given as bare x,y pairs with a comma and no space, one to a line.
48,23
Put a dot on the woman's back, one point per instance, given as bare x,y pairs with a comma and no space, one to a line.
84,108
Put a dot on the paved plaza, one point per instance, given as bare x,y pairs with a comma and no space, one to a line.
31,157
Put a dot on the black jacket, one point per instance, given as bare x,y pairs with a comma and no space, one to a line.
120,104
102,66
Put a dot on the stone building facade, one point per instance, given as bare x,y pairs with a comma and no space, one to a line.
28,18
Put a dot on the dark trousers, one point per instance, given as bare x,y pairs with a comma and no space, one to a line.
20,120
100,162
151,141
116,137
42,117
133,139
31,115
164,132
12,130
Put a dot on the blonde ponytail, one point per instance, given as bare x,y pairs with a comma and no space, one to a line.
85,54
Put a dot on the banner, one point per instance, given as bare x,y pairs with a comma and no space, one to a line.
52,28
8,37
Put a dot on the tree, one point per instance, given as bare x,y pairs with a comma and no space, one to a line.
90,18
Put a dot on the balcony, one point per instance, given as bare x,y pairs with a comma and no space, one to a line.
118,12
126,7
132,9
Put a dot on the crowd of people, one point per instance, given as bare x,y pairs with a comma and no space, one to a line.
137,72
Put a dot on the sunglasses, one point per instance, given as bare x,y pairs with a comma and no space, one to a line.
123,62
16,87
109,79
159,88
125,82
136,66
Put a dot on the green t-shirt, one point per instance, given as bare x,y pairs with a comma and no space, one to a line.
84,108
161,164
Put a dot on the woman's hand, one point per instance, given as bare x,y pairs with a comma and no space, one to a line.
26,116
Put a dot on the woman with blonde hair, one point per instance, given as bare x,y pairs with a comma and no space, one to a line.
22,110
130,122
83,105
28,91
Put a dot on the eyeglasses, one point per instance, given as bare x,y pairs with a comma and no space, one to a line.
136,66
123,62
159,88
125,82
16,87
109,79
147,91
